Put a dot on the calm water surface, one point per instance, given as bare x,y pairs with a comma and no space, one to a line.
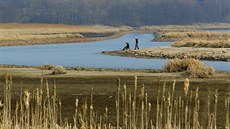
89,54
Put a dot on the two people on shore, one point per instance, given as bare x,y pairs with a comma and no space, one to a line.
128,47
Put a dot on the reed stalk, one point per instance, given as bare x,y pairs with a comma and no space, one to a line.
125,121
117,103
215,108
168,123
208,114
171,103
158,104
196,110
147,111
54,99
179,112
175,114
227,125
162,108
139,100
190,109
186,102
105,118
142,115
60,112
91,110
134,102
76,112
130,111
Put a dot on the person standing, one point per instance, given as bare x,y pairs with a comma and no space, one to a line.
136,45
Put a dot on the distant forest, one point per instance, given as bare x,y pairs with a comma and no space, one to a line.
115,12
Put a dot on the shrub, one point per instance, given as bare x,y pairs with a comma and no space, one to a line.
46,67
189,67
59,70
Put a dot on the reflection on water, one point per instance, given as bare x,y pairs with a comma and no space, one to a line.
89,54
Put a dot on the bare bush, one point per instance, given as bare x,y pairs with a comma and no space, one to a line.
189,67
46,67
59,70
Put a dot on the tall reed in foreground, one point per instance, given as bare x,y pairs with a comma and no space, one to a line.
42,109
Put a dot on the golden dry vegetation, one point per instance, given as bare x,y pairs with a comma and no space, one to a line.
219,43
171,108
173,28
195,39
190,35
29,34
222,54
194,34
190,67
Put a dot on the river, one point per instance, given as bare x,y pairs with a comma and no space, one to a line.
89,54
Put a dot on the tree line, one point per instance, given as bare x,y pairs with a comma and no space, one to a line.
115,12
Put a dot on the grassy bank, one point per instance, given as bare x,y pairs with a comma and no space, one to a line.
175,36
195,38
183,28
217,43
174,52
30,34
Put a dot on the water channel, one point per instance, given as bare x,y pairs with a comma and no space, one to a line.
89,54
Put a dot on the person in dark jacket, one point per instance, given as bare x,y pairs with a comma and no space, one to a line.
126,47
136,45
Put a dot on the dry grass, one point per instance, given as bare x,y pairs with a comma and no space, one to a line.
188,38
202,43
55,28
222,54
174,36
190,67
183,28
29,34
46,67
59,70
42,109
